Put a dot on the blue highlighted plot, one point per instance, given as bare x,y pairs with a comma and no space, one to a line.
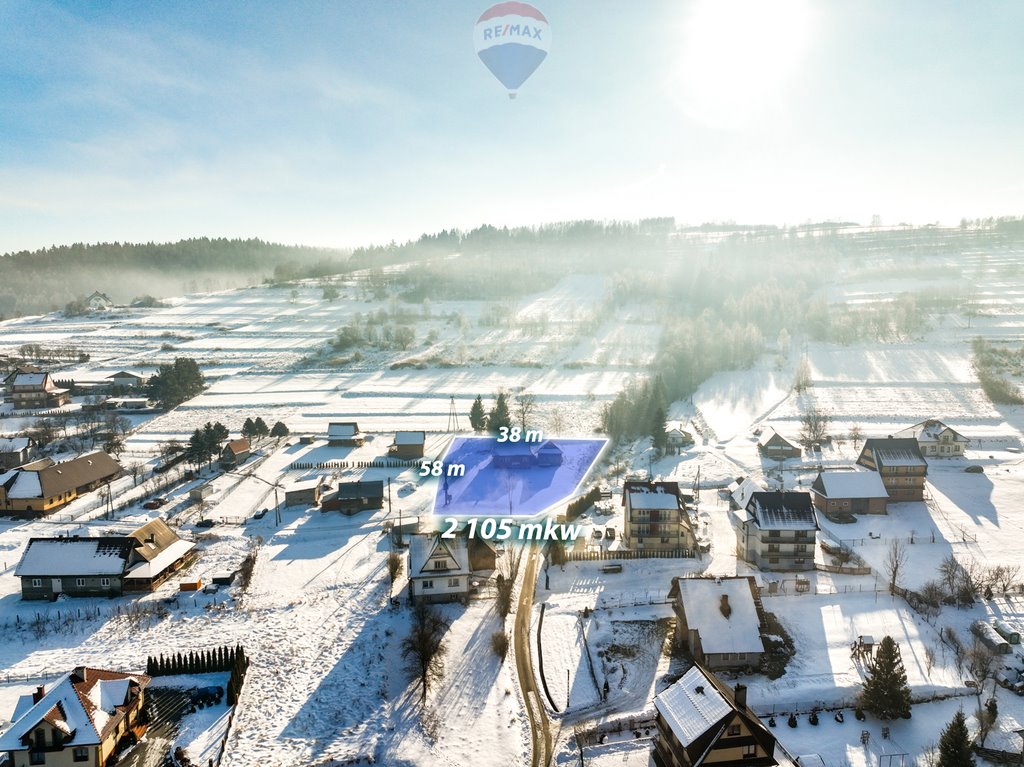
484,477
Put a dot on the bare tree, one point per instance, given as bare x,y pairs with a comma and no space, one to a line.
895,561
508,573
423,649
525,406
951,576
856,435
802,379
814,426
394,567
135,469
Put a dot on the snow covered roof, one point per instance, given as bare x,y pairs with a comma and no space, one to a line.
782,511
768,434
161,561
84,704
30,379
125,374
689,713
741,494
849,484
550,447
342,429
701,599
642,500
13,444
431,546
410,437
930,431
59,557
300,485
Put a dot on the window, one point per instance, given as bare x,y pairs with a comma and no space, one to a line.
453,583
37,582
773,533
664,540
773,560
104,582
80,754
773,547
734,730
428,584
80,582
37,757
440,564
749,751
801,547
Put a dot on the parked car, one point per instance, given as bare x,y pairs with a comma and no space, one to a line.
598,535
205,523
609,533
260,514
154,503
210,588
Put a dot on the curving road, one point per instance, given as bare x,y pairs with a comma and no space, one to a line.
540,727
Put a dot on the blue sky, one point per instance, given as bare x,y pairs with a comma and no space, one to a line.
346,123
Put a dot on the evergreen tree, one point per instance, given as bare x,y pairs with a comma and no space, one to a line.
248,428
173,384
279,430
659,437
477,416
198,449
955,744
499,415
886,693
260,427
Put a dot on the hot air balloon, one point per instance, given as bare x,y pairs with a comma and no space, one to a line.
512,40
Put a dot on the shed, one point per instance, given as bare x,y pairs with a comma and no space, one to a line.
304,492
990,637
408,444
1006,631
200,492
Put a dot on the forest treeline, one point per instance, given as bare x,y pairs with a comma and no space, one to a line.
46,280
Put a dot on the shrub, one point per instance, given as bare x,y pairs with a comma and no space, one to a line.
499,643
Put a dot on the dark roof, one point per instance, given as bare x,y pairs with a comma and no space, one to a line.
786,510
366,489
157,534
893,451
59,478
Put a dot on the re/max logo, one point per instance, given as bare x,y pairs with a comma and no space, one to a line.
520,30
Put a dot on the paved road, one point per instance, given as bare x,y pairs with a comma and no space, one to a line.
540,727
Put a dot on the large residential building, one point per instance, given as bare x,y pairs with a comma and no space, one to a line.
719,620
41,487
778,531
702,722
34,391
934,438
81,719
899,463
853,492
438,568
107,566
656,517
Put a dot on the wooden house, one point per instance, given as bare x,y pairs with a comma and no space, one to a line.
720,621
81,719
344,434
235,453
549,454
773,445
408,445
513,455
700,721
854,492
353,497
42,487
304,492
900,465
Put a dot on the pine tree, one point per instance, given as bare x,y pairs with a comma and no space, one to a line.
886,693
955,744
659,437
477,416
499,415
248,428
260,427
279,430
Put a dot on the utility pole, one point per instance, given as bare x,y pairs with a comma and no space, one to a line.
389,496
453,416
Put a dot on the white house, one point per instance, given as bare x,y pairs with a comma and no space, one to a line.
936,439
719,620
777,531
99,301
14,451
438,568
125,379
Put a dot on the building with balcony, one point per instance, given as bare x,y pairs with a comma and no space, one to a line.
777,531
656,517
899,463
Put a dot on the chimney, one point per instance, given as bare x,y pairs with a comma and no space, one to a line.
699,689
38,694
82,673
740,697
725,607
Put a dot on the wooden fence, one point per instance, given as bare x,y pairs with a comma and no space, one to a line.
386,463
588,556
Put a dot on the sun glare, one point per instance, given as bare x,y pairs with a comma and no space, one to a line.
736,56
